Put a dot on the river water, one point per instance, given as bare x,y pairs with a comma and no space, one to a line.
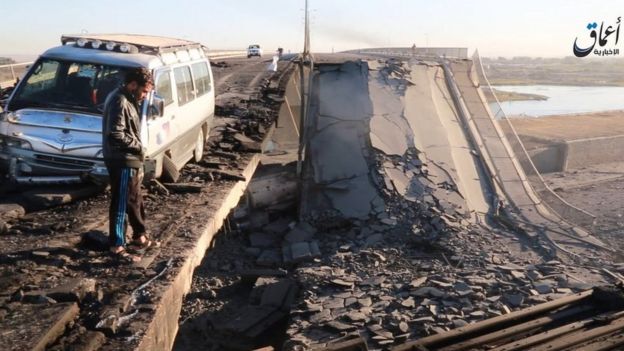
562,100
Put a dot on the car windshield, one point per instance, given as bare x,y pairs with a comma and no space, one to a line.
67,85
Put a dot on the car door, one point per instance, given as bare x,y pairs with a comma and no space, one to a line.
203,109
162,130
185,121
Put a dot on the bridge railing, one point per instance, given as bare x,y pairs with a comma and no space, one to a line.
10,73
447,52
559,205
223,54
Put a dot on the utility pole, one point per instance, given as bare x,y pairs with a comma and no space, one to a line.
306,38
305,56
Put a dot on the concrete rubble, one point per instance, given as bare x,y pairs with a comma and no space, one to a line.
391,242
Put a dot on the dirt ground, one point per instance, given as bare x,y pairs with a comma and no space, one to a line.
598,189
572,127
45,249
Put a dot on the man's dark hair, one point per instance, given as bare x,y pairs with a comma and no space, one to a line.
142,76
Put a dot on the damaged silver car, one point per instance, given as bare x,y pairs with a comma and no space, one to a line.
51,129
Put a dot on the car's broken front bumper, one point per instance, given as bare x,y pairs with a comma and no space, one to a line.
27,166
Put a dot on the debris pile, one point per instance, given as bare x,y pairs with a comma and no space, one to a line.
391,242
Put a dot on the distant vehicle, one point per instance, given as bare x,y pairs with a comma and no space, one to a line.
254,50
51,129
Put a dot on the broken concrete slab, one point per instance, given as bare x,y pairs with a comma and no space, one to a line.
298,235
269,258
34,327
253,320
429,291
89,341
340,327
73,290
514,300
248,144
338,162
263,239
279,226
280,294
342,283
301,251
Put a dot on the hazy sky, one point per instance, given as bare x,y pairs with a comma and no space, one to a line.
544,28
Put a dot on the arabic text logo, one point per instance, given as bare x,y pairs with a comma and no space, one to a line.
600,37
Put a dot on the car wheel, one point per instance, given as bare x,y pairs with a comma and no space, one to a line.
198,153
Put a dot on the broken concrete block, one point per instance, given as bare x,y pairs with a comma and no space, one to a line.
415,283
280,294
247,143
253,251
342,283
314,248
300,251
463,289
296,235
409,302
514,300
365,302
543,286
356,316
307,227
91,340
334,303
374,239
339,326
321,317
262,239
279,226
73,291
429,291
248,318
389,221
34,327
269,258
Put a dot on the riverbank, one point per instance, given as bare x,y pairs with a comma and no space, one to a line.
592,178
569,142
571,126
503,95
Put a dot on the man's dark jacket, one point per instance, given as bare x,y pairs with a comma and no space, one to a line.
120,131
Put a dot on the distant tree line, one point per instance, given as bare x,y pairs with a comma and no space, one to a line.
556,71
6,61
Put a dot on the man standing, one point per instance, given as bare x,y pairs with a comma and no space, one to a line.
123,155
